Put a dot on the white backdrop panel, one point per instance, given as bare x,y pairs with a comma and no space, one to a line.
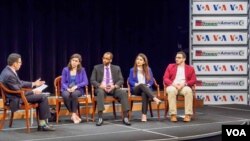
206,23
205,8
220,38
220,68
214,98
220,53
221,83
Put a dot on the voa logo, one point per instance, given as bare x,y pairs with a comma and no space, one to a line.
206,98
203,7
222,98
236,132
220,37
237,98
233,132
235,7
218,7
236,68
203,38
236,37
203,68
220,68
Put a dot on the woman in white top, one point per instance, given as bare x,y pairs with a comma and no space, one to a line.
141,80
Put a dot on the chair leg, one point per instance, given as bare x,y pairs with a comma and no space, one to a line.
11,119
194,107
58,107
114,112
94,109
150,108
158,112
79,110
131,108
122,116
129,114
3,119
87,110
37,116
166,107
27,120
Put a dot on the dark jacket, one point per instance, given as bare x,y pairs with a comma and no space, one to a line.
98,72
12,82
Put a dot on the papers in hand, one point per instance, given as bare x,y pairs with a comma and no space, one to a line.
46,93
40,88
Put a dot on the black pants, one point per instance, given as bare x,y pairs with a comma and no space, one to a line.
146,94
43,105
121,95
71,100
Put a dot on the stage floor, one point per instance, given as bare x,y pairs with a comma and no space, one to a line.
207,124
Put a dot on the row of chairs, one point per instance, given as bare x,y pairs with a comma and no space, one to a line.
83,100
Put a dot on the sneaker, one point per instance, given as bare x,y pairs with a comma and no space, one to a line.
45,128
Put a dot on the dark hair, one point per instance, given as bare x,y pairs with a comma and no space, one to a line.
110,54
145,67
12,58
182,53
79,57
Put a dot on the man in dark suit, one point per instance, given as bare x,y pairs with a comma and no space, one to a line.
11,80
107,80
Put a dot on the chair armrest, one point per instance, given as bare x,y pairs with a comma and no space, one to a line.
129,92
164,89
194,90
20,93
157,88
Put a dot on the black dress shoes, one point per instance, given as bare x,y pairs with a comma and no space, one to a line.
126,121
45,128
99,122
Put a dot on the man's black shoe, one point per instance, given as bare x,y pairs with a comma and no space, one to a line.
45,128
99,122
126,121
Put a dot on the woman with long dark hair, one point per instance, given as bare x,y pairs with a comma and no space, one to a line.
74,79
141,80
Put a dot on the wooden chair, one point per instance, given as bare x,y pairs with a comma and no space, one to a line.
25,105
133,98
181,98
164,99
108,99
60,101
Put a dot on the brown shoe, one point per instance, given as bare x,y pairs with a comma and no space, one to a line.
187,118
173,118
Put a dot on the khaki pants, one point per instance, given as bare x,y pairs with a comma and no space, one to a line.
188,96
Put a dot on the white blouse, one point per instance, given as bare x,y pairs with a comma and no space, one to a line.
140,76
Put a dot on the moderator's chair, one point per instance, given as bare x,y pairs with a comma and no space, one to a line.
136,98
25,105
107,99
59,99
181,98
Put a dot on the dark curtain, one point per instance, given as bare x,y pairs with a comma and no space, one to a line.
47,32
